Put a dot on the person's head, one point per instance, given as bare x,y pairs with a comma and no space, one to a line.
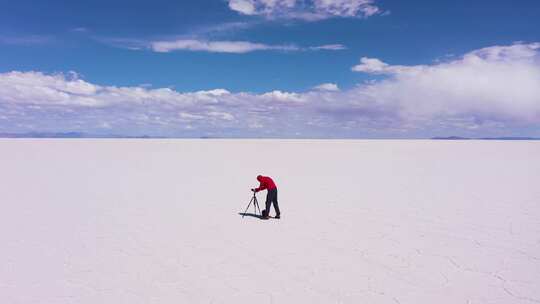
259,177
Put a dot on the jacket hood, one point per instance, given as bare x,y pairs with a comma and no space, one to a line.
259,177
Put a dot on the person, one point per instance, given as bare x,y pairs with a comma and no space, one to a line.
271,196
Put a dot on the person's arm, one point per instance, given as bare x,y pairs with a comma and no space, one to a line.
261,187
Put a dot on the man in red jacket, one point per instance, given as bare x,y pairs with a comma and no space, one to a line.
271,196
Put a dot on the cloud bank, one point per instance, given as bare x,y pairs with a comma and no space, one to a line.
499,82
491,91
306,10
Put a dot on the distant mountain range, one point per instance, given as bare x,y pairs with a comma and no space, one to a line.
85,135
485,138
66,135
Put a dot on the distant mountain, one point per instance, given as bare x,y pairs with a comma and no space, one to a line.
67,135
43,135
510,138
451,138
485,138
85,135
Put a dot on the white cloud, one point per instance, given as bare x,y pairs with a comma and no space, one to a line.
327,87
499,82
189,116
376,66
246,7
284,96
494,54
39,88
346,8
105,125
371,65
486,91
235,47
305,9
221,115
329,47
505,53
215,92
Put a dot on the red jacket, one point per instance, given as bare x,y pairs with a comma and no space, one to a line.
266,183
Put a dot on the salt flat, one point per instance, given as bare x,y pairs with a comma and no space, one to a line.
157,221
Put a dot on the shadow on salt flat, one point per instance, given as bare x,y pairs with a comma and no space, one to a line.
249,214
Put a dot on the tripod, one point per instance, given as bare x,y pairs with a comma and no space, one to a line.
255,205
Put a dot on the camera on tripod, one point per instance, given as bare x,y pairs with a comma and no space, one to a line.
255,204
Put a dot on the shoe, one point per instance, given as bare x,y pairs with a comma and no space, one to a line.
264,215
278,216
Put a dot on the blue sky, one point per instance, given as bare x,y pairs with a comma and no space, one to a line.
268,59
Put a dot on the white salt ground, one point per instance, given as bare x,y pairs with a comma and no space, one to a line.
157,221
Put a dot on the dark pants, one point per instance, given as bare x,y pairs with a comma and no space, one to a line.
271,197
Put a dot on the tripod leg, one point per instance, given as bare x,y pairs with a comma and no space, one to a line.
247,208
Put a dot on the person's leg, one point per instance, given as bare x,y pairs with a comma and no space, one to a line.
276,206
268,203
